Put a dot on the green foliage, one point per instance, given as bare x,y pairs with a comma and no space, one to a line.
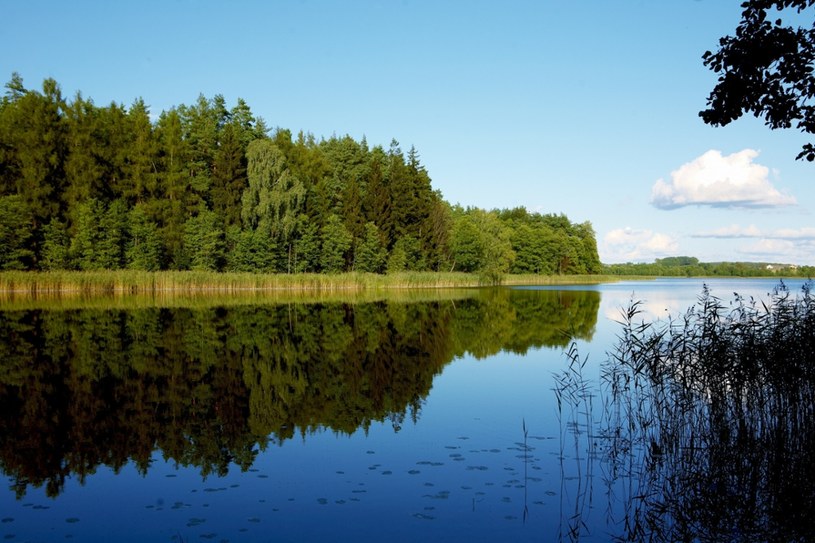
86,170
674,261
204,242
250,250
685,266
144,244
466,244
307,247
370,254
15,233
551,244
766,69
56,247
397,260
86,243
113,240
481,243
336,241
274,194
34,135
229,176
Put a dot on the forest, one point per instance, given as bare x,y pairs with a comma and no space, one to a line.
209,187
688,266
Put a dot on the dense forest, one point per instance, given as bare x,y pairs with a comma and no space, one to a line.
688,266
207,187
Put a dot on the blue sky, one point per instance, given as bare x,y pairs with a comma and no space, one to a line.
588,108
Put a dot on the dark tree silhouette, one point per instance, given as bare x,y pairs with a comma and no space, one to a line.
766,69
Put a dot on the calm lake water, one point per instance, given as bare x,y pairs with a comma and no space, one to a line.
382,421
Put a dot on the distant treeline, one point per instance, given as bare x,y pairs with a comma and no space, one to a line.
688,266
205,187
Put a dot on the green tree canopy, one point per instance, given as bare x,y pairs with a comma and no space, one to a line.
114,186
766,69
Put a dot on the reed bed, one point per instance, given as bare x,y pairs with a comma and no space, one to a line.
18,285
713,415
707,429
128,282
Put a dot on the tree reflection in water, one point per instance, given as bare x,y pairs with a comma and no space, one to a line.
211,386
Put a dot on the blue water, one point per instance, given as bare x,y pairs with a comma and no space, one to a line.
465,470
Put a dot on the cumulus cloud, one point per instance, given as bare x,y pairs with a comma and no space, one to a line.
632,245
720,181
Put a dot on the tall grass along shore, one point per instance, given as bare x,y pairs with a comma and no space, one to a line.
710,417
20,285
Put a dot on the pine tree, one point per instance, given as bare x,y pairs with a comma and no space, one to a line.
228,177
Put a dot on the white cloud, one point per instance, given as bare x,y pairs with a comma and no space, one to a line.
732,231
632,245
783,245
736,231
775,250
720,181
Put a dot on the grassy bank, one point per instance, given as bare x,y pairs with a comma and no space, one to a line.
65,284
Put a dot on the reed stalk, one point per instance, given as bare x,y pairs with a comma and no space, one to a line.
37,285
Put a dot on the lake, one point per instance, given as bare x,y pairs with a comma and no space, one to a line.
398,419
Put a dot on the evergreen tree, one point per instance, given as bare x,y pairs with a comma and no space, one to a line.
85,168
141,156
228,176
204,242
143,250
35,134
250,250
15,233
201,123
370,254
56,246
87,239
397,259
178,201
378,200
307,247
114,232
336,241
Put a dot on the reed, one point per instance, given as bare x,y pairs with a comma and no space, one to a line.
718,409
708,421
16,285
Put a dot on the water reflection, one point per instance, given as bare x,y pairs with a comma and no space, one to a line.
210,387
707,428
